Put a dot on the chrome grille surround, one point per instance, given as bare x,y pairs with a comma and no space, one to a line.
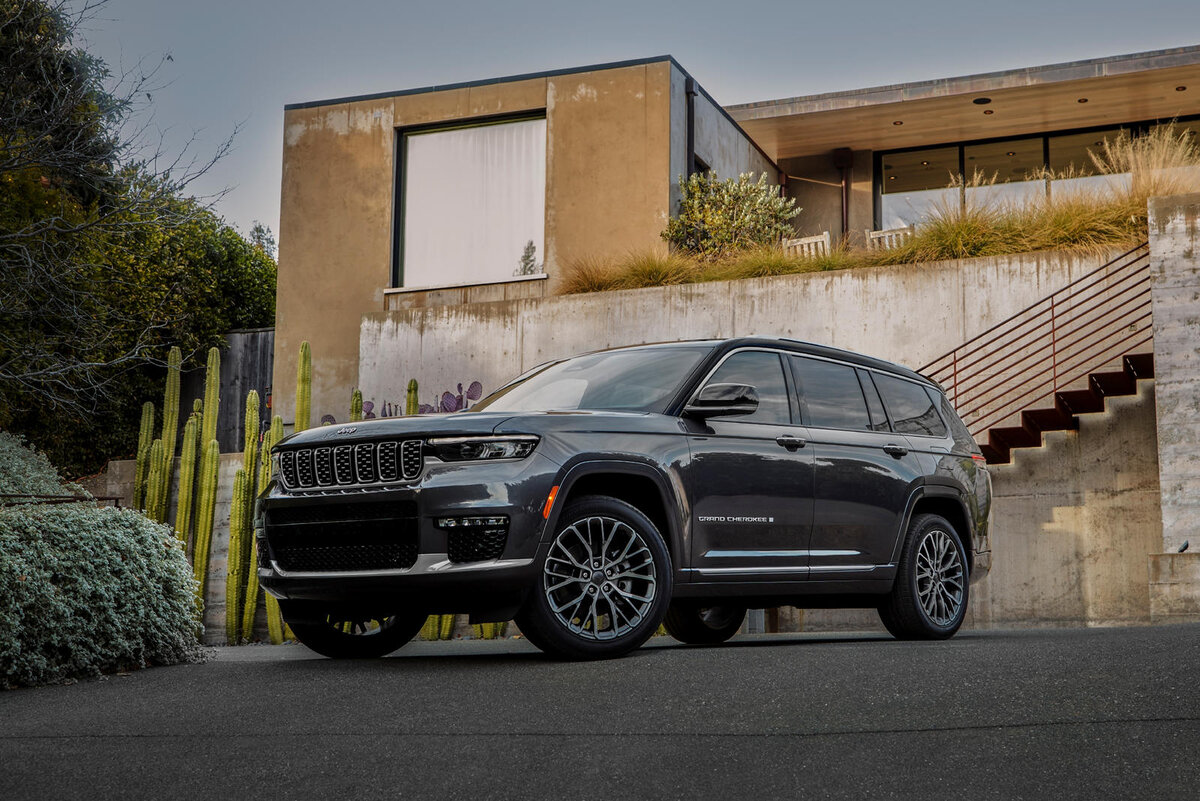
366,463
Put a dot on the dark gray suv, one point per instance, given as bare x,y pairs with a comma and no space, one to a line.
596,497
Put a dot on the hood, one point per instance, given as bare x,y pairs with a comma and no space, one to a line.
481,423
448,425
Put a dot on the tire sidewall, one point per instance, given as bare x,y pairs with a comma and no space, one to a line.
546,631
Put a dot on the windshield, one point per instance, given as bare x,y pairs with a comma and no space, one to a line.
637,380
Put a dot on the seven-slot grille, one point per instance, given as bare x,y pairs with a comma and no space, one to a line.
343,465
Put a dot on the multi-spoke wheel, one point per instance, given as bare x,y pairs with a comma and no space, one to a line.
349,634
604,584
929,598
699,623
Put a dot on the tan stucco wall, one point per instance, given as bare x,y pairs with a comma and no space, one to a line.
607,191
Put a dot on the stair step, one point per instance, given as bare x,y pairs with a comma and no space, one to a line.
1085,396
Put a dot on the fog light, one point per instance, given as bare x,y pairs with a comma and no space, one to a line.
494,521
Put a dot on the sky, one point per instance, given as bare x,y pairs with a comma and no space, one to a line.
234,64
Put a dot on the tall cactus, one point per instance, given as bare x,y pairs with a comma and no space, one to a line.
356,405
233,570
411,406
304,388
145,438
212,405
250,440
275,627
154,482
187,478
170,426
206,503
250,604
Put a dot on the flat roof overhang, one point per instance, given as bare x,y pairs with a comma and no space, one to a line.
1141,86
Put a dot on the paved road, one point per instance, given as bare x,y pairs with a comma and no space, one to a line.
1087,714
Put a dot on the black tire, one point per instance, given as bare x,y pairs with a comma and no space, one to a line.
929,598
608,606
370,635
697,623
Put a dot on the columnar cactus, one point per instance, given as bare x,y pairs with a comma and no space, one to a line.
304,388
145,438
206,503
233,571
212,405
187,478
411,406
356,405
170,426
155,481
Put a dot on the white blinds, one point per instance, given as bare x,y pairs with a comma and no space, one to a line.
474,198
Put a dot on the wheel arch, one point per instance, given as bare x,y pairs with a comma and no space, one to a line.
946,502
639,485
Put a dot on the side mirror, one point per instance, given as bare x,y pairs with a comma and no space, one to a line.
722,400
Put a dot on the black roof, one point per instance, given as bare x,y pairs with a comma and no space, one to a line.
798,346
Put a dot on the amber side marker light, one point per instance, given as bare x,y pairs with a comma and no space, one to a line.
549,503
977,457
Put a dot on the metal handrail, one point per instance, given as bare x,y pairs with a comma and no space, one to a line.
1051,344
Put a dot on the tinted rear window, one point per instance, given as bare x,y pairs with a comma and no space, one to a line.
831,395
910,407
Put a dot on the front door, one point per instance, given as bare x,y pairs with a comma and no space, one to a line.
750,481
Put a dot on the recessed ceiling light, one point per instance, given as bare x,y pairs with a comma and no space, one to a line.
898,122
1081,100
982,101
1011,153
988,111
1180,88
924,163
1098,144
891,177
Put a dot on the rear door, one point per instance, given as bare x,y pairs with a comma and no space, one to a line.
750,480
863,471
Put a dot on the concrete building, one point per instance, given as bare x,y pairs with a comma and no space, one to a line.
487,190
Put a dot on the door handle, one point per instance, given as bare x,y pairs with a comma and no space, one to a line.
791,442
895,450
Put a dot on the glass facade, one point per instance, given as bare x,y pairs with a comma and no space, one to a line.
912,183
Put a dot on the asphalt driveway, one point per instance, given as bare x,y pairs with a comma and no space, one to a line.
1100,713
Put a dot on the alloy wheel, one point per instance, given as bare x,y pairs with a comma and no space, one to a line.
939,576
600,578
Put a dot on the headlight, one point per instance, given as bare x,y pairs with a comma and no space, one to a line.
472,449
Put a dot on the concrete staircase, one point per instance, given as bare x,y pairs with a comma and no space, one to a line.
1040,369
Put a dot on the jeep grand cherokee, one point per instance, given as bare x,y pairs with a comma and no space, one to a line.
594,498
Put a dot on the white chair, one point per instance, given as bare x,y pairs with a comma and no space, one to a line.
808,247
888,239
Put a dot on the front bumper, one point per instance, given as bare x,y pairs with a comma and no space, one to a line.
423,566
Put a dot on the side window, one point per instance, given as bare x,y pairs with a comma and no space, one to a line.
911,408
763,371
831,395
879,421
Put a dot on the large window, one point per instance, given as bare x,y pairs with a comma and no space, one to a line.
472,205
913,183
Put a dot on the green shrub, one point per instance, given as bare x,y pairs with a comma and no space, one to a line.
717,216
86,590
24,471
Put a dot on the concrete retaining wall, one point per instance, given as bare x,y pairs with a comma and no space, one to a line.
909,314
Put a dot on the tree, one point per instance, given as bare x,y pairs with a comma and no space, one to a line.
262,238
104,263
717,216
79,179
